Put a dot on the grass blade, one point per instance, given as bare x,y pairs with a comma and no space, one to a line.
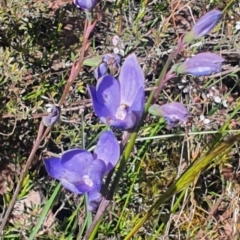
45,212
187,178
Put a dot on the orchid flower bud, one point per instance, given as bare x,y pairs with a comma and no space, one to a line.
86,5
173,113
201,64
112,59
203,26
109,61
52,117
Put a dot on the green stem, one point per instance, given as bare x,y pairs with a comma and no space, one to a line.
151,99
132,139
186,179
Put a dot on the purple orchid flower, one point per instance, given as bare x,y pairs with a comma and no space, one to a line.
201,64
52,117
173,113
112,59
203,26
108,60
81,172
86,5
120,103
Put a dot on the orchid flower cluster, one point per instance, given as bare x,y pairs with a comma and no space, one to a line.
81,172
119,102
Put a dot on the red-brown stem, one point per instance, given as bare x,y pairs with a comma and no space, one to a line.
80,62
24,173
41,133
73,76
